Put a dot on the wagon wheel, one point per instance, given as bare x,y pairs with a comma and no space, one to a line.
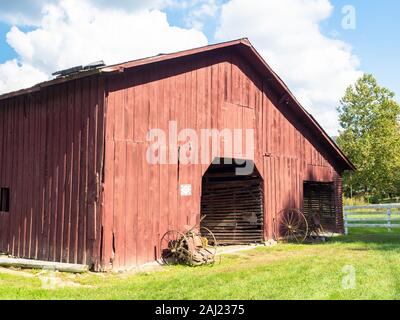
292,225
318,230
174,248
210,244
316,233
329,232
315,230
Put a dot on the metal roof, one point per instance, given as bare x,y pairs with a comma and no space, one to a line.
246,49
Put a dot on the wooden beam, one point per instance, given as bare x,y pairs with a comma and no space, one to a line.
36,264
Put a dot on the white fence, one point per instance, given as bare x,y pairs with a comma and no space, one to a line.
372,216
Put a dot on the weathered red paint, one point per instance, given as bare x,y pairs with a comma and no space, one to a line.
51,146
73,152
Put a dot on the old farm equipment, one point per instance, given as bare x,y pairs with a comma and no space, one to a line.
316,229
195,247
291,225
319,209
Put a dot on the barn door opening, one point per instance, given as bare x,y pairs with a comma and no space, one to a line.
319,204
233,204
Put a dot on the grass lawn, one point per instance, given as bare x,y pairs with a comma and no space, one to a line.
282,272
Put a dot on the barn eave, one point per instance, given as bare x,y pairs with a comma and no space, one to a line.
246,49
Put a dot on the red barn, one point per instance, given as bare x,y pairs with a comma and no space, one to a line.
77,185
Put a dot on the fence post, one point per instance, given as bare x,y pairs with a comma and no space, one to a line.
346,229
389,219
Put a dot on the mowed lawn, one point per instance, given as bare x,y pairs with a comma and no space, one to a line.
286,271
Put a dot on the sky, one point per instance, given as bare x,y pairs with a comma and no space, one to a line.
318,47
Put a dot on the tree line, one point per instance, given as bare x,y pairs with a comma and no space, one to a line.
370,136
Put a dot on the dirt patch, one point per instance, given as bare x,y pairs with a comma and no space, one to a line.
146,268
236,249
18,273
49,279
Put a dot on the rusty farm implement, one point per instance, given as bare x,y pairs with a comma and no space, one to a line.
195,247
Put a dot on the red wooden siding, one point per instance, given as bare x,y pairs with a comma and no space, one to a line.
73,154
51,145
218,90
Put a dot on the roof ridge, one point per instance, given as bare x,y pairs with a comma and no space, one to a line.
261,65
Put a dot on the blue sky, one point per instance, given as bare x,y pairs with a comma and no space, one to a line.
303,40
376,39
6,52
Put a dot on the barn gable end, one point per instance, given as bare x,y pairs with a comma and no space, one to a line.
73,154
211,90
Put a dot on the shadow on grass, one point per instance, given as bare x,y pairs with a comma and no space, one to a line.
371,239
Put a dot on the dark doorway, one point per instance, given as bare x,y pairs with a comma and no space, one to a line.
319,204
233,204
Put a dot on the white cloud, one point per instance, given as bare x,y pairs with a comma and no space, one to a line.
200,11
287,34
74,32
14,76
29,12
22,11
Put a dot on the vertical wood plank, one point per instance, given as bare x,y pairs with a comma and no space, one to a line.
62,163
132,193
70,148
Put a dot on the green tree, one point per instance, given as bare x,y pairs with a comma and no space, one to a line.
370,137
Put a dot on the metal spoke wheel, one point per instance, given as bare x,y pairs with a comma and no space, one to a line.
291,226
317,234
209,245
318,230
174,248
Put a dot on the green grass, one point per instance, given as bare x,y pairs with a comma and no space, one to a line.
286,271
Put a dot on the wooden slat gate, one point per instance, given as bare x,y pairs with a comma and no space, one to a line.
234,210
319,198
372,216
